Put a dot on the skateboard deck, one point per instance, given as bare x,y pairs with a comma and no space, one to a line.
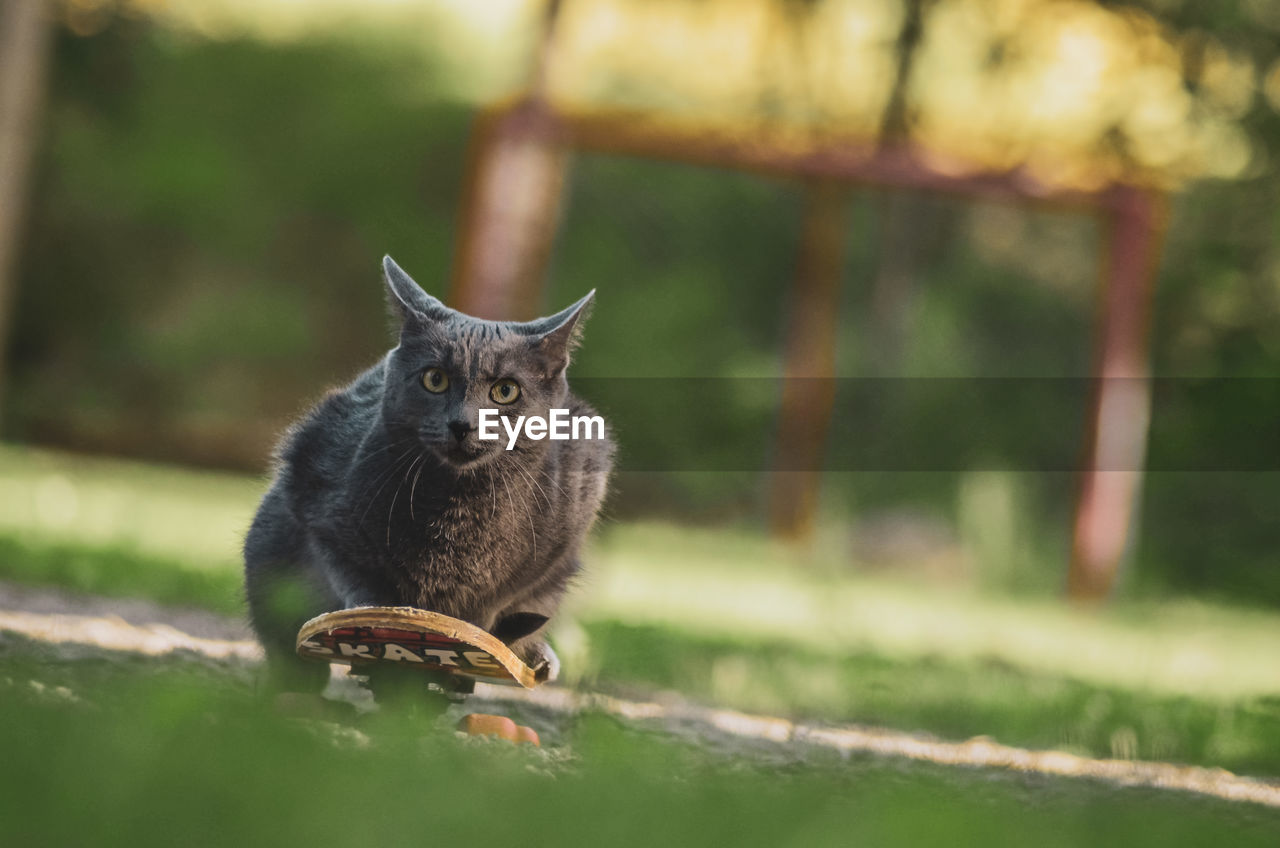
413,638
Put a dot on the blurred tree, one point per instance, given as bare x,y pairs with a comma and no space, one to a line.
24,56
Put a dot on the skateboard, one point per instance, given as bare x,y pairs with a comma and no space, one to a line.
419,646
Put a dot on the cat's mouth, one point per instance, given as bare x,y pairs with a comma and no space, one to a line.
464,454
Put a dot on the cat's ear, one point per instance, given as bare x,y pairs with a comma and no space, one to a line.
557,335
407,296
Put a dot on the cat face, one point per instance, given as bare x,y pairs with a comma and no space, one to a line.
448,366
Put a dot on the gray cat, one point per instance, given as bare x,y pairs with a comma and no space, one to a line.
384,495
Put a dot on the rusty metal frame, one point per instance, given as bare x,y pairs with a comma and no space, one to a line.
1131,216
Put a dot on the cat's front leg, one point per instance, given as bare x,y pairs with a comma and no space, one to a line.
352,587
540,657
522,633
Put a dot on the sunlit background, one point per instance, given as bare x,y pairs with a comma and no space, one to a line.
213,183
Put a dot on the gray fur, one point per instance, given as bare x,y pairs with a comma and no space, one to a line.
376,501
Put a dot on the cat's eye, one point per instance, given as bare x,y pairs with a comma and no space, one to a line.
505,391
435,380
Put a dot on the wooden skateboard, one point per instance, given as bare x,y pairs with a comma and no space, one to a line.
406,640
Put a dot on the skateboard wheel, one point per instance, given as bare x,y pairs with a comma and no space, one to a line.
480,724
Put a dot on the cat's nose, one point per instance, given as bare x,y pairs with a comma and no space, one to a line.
460,429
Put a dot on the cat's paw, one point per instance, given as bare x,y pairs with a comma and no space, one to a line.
544,662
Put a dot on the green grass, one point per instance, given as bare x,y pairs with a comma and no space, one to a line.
954,700
122,572
197,517
719,583
729,618
157,752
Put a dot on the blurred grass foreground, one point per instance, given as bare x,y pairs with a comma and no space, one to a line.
229,172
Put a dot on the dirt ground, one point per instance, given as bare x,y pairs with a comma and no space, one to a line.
193,622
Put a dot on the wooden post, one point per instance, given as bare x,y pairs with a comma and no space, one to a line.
1121,409
808,389
512,198
25,30
511,209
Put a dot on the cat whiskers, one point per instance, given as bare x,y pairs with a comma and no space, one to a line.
533,536
413,489
386,478
534,482
543,474
511,503
391,509
378,453
386,473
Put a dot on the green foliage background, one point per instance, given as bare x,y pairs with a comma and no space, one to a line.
201,262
